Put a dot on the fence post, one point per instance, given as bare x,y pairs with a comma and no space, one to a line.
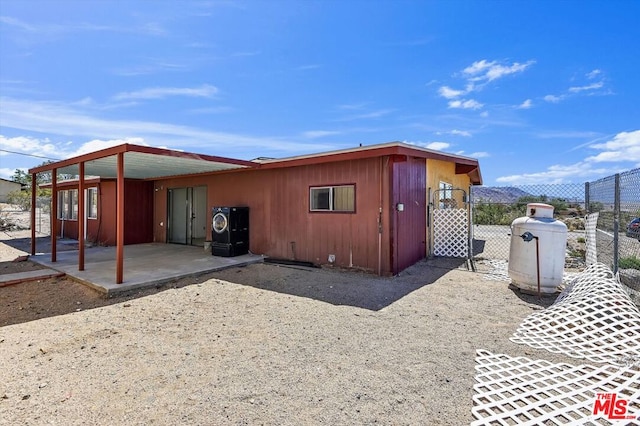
587,202
616,223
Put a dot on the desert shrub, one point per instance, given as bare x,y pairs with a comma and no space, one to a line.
630,262
21,199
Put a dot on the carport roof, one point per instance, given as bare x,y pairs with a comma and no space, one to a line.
143,162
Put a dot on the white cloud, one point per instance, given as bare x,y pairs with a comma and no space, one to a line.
67,120
98,144
526,104
455,132
373,114
478,75
569,134
210,110
557,174
437,146
312,134
592,86
59,150
204,91
449,93
153,66
484,114
488,71
8,20
465,104
29,145
461,133
479,154
351,107
6,173
624,147
45,31
589,88
553,98
594,74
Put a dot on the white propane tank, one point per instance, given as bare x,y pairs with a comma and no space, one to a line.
549,255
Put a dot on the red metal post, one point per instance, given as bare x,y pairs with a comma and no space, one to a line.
54,212
81,214
34,190
120,220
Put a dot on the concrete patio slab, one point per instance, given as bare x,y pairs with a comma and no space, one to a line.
145,265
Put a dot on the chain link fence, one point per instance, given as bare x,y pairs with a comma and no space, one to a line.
614,206
610,206
17,217
495,208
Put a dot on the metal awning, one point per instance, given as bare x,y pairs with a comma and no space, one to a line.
141,162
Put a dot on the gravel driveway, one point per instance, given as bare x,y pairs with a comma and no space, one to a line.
267,344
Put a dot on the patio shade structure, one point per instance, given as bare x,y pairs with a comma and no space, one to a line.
126,161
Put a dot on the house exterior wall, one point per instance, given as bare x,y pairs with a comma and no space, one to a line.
281,223
7,186
445,171
138,216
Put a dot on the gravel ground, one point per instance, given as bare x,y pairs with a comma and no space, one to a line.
264,344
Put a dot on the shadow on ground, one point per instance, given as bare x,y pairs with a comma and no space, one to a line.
345,288
34,300
545,300
43,244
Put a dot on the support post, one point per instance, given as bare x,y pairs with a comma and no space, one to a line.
54,213
81,214
34,191
120,220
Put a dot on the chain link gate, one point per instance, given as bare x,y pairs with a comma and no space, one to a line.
450,218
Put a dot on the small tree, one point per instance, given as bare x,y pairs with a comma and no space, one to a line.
22,198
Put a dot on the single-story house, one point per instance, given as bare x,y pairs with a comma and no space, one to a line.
364,207
6,187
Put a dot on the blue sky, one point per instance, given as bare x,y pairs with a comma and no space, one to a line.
538,91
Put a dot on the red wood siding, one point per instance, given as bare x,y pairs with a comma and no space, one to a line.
409,227
138,218
280,222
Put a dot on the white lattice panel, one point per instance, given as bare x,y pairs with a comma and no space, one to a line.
510,391
593,318
450,233
590,230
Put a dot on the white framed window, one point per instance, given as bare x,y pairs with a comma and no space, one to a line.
68,204
337,198
92,203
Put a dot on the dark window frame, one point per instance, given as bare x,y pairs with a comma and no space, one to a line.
331,196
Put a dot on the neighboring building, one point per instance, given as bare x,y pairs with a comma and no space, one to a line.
364,207
6,187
